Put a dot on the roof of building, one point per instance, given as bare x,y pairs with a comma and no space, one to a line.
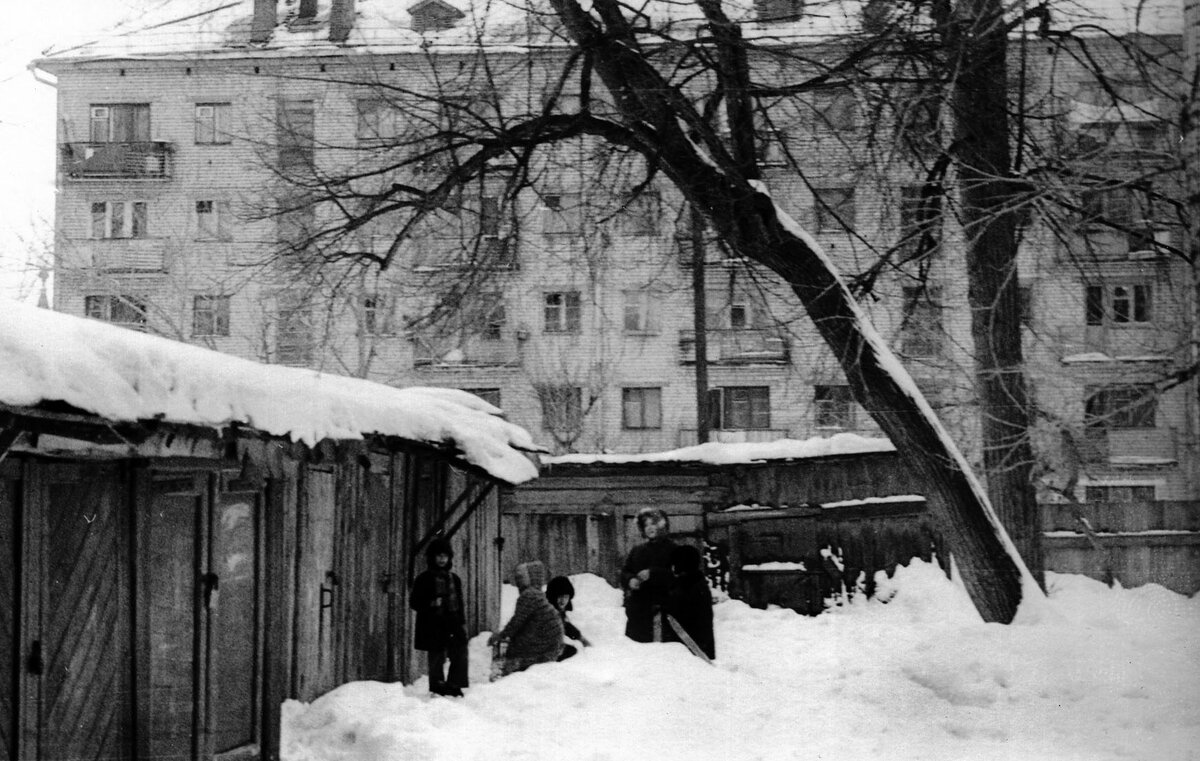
126,376
215,29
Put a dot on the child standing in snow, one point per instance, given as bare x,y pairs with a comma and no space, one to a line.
441,623
535,632
560,592
646,576
690,602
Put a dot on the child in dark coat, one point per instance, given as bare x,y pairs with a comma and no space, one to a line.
560,592
441,621
690,601
646,576
535,632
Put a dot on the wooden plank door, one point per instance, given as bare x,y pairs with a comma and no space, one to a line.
169,613
369,611
234,611
78,696
10,652
316,586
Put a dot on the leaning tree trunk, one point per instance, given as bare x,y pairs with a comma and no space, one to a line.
727,192
989,199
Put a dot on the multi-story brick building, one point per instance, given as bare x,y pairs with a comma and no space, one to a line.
176,208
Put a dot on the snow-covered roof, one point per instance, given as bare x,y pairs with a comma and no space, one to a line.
221,28
127,376
718,453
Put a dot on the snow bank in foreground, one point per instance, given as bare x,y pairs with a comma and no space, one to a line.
124,375
1113,675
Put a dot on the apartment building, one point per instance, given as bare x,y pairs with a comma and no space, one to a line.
567,296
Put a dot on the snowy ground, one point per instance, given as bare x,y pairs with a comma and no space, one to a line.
1102,674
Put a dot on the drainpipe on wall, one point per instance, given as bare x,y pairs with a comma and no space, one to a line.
341,20
262,24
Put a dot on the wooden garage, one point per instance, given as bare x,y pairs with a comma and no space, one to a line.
169,576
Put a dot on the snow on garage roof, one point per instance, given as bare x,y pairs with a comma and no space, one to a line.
719,453
126,376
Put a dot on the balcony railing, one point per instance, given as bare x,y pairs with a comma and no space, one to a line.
135,161
737,346
1130,446
128,254
474,352
687,436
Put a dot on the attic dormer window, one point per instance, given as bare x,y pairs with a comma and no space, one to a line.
778,10
434,16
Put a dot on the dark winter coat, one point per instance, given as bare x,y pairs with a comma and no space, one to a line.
438,627
535,631
690,603
642,603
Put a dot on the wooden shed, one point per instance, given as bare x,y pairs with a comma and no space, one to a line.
187,539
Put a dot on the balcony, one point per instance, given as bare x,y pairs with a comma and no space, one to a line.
128,254
737,346
126,161
1145,447
687,436
447,354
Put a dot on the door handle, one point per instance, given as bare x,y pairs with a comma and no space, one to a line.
33,662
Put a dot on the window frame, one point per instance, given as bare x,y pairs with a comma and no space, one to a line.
219,127
642,305
838,214
833,406
1132,406
1119,304
216,308
641,408
107,307
728,404
564,317
133,221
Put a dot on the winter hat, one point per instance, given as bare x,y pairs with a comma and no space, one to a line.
439,546
559,586
686,558
535,573
647,513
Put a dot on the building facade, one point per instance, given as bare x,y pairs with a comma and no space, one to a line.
201,156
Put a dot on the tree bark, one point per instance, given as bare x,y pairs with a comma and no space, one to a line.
989,201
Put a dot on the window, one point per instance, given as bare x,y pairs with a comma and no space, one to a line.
119,219
834,406
735,407
1119,493
294,340
641,408
491,316
778,10
1132,406
562,214
562,407
212,124
741,317
376,120
212,220
374,314
642,212
127,311
1112,206
920,217
295,134
836,110
641,313
1118,304
562,312
834,208
921,330
489,395
772,147
295,226
210,315
120,123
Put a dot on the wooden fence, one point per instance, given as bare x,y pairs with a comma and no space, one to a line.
579,518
